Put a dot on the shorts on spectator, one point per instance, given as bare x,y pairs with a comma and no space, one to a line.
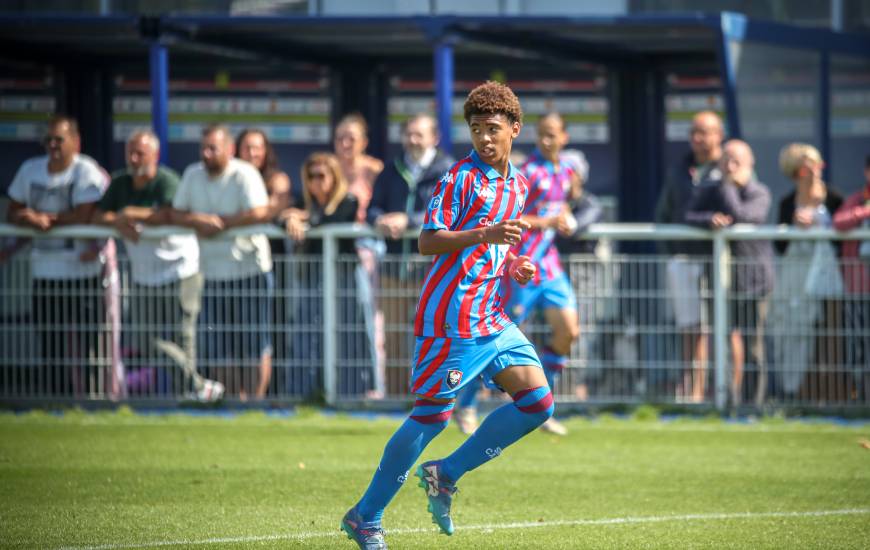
684,279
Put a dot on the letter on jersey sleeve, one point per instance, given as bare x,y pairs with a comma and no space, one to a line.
445,205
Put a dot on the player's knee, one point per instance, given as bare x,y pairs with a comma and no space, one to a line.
574,332
561,343
562,339
536,404
434,414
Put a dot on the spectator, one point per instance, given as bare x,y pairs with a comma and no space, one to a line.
327,201
809,283
740,198
57,189
252,145
167,286
217,194
360,170
399,201
855,213
585,208
586,272
685,272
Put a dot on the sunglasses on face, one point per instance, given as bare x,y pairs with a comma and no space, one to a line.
316,175
50,140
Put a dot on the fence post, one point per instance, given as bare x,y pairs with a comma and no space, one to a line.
329,259
720,317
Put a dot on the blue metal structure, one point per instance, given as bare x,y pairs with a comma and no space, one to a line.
444,90
159,71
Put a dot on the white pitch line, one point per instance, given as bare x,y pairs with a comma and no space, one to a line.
489,527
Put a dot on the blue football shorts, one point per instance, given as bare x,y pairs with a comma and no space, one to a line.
555,293
443,366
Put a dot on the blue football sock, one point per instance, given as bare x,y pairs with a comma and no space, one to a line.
468,397
553,363
426,420
502,427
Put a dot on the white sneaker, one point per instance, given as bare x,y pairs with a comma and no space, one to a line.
210,392
466,419
554,427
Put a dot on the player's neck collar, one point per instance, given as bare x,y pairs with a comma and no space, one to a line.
490,172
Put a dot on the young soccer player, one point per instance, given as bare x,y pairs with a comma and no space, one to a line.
462,331
550,179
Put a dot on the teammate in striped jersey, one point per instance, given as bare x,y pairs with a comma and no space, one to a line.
462,331
550,181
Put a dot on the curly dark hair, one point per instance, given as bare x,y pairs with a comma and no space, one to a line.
493,98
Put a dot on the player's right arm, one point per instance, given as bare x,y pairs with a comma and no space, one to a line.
444,241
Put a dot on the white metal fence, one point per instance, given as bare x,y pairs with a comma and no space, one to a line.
654,328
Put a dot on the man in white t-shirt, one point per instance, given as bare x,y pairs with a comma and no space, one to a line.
216,194
61,188
167,286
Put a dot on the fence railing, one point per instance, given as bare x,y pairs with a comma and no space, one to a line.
341,325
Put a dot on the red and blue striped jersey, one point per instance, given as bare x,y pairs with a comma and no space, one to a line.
460,296
548,193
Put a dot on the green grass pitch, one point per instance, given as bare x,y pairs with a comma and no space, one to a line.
123,480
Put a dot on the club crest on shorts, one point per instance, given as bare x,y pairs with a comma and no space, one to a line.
454,377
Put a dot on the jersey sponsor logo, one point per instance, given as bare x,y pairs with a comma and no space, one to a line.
486,221
454,377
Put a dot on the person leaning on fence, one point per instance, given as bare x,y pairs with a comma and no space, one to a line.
807,299
61,188
252,145
853,214
740,198
398,203
219,193
326,201
585,208
686,274
167,286
586,272
361,170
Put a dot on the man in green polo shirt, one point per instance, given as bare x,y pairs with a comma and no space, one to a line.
166,284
